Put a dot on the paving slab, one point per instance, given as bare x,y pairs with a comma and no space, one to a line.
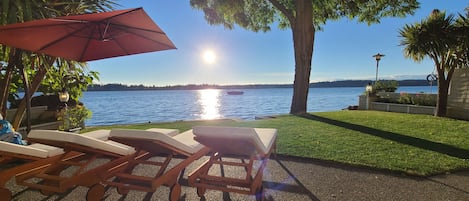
287,178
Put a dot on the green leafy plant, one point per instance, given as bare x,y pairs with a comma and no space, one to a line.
74,117
385,86
405,98
424,100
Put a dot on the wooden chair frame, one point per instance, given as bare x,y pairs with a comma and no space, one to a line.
150,148
251,185
27,163
49,175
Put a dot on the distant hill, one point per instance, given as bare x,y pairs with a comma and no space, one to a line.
342,83
362,83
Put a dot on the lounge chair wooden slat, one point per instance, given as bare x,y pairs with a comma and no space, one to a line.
253,144
49,177
42,187
134,179
154,144
126,187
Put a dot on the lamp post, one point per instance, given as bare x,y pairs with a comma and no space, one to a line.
377,57
64,97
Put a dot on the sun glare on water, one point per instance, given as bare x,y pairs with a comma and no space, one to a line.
209,100
209,56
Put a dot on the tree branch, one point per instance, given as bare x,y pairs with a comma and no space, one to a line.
283,10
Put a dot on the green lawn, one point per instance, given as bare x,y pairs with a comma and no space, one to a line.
413,144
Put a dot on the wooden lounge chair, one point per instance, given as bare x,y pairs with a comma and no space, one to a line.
34,156
87,151
10,153
233,143
155,144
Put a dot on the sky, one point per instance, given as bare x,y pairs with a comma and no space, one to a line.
208,54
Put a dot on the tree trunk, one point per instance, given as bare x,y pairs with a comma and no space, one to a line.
34,87
303,41
13,60
442,97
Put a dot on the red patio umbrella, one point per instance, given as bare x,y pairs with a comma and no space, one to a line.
89,37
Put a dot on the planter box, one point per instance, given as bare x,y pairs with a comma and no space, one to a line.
402,108
36,112
45,126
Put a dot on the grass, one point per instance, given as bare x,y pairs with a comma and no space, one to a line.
413,144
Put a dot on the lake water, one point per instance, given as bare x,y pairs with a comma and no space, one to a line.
126,107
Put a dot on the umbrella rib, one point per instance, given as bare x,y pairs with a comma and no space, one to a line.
124,13
80,21
59,39
61,33
132,32
87,43
121,26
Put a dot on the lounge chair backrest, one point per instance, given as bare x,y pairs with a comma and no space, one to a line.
101,134
167,131
35,150
261,139
60,136
184,141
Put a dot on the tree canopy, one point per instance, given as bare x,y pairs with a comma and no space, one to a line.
303,17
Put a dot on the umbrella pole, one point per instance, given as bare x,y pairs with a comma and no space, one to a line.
28,99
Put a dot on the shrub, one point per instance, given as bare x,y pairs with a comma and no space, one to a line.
405,98
424,100
74,117
385,86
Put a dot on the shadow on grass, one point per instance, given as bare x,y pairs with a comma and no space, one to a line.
413,141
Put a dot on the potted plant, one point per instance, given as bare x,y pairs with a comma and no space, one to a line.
73,118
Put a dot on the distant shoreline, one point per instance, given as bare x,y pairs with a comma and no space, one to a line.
342,83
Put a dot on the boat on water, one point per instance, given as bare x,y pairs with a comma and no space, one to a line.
235,92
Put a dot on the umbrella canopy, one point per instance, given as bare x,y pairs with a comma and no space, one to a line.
89,37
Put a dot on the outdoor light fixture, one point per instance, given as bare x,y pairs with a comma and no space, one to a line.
64,96
377,57
368,89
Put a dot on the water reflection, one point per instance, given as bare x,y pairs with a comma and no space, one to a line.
209,100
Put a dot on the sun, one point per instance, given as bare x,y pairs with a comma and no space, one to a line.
209,56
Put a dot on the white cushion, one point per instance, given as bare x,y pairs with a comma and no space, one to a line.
36,150
98,134
80,139
184,141
51,151
263,138
166,131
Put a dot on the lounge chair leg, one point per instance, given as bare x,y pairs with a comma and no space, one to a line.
6,194
96,192
260,194
201,192
122,190
48,183
175,192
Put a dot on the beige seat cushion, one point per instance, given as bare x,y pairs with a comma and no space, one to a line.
101,134
184,141
35,150
166,131
262,138
60,136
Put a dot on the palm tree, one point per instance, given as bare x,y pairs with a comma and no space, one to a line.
462,27
437,38
18,62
